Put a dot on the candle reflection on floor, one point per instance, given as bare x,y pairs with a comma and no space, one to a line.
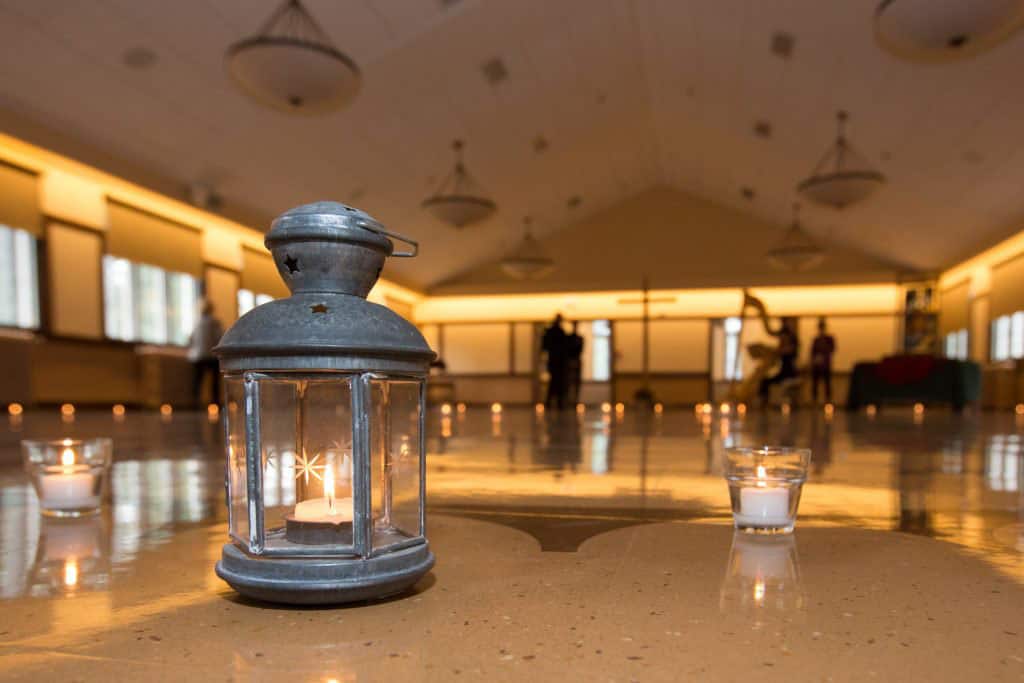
762,574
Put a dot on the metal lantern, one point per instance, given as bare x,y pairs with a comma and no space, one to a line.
325,396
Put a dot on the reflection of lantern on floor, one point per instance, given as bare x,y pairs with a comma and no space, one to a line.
327,390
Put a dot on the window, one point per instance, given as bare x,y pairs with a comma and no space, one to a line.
1002,462
19,283
601,351
248,300
1008,337
733,360
956,344
146,303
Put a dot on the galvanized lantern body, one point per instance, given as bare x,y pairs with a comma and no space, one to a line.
325,397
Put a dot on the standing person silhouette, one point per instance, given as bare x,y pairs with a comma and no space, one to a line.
575,365
822,349
204,337
555,343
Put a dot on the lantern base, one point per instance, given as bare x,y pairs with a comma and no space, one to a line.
323,580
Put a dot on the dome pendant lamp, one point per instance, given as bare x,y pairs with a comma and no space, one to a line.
459,201
842,177
291,65
528,261
797,251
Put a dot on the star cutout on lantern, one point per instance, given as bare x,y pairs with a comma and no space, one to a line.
304,466
291,263
318,308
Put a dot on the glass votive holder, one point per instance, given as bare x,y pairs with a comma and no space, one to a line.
69,475
764,487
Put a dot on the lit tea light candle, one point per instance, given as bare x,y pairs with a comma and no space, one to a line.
69,486
620,408
658,409
1019,409
762,505
871,410
725,409
15,409
539,408
117,410
446,427
213,412
461,408
446,409
706,408
918,409
67,413
166,410
580,409
786,409
606,407
327,519
741,409
829,410
496,409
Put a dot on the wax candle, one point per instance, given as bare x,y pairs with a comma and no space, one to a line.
327,509
762,505
69,486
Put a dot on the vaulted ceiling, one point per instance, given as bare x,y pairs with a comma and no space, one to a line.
627,95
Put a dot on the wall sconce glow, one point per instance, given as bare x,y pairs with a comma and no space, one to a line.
15,409
446,409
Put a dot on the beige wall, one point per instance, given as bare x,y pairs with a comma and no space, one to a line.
75,295
222,291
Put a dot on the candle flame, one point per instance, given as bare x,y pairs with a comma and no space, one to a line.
67,457
329,488
762,474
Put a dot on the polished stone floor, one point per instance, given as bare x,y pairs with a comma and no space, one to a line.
585,548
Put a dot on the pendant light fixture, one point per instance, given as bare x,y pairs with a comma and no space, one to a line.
528,261
797,251
291,65
459,200
934,31
843,176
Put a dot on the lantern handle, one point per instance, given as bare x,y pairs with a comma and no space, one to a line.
394,235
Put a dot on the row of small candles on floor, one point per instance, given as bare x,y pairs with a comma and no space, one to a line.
15,412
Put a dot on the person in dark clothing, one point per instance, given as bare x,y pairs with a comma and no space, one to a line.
204,337
822,350
575,364
789,348
555,343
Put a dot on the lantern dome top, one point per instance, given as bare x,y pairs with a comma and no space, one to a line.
329,255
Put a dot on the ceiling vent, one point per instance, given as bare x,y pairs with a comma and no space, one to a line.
945,30
494,71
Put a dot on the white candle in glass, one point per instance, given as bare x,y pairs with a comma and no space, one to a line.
327,509
70,486
762,505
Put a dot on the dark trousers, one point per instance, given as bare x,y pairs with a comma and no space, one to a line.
558,387
200,368
819,375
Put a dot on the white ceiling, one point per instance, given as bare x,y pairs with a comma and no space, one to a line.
630,95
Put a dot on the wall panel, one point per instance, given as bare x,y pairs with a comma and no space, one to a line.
19,199
477,349
145,238
75,295
222,292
